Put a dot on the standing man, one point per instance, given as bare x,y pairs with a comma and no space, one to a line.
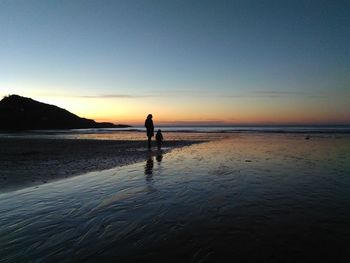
150,129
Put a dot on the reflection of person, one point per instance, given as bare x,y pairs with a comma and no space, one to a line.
159,138
159,156
150,129
149,166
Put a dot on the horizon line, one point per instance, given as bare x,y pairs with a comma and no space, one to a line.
246,125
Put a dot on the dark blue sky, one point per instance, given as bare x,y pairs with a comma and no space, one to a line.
230,61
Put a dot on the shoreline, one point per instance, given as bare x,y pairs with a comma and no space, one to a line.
26,162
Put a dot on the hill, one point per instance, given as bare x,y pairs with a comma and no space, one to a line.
21,113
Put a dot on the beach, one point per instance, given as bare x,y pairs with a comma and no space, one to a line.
250,97
34,161
245,197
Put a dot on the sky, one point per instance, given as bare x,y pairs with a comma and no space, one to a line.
186,62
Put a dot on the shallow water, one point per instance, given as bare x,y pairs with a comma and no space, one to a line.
262,197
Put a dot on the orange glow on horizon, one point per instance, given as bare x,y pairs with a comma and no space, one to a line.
247,120
206,111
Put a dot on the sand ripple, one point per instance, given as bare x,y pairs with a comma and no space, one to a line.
201,203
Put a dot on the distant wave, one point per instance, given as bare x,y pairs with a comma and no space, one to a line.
200,129
250,129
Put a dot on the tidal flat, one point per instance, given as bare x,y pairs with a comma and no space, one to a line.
244,197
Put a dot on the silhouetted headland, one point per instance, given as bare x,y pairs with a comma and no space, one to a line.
21,113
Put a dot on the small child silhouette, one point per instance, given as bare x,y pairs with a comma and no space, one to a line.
159,138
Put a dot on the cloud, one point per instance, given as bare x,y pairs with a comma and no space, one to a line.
97,96
276,94
279,92
194,122
112,96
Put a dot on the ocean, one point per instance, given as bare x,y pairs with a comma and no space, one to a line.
137,132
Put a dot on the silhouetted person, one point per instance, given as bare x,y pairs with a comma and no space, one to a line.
150,129
159,138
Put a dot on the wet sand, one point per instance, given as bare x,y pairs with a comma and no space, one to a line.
27,161
245,198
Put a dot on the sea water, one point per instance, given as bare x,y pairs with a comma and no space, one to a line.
175,132
267,197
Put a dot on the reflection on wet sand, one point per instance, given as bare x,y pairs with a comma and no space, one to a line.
159,156
286,204
150,162
149,167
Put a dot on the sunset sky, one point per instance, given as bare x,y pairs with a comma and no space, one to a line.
186,62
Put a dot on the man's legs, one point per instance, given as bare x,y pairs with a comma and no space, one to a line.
149,141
